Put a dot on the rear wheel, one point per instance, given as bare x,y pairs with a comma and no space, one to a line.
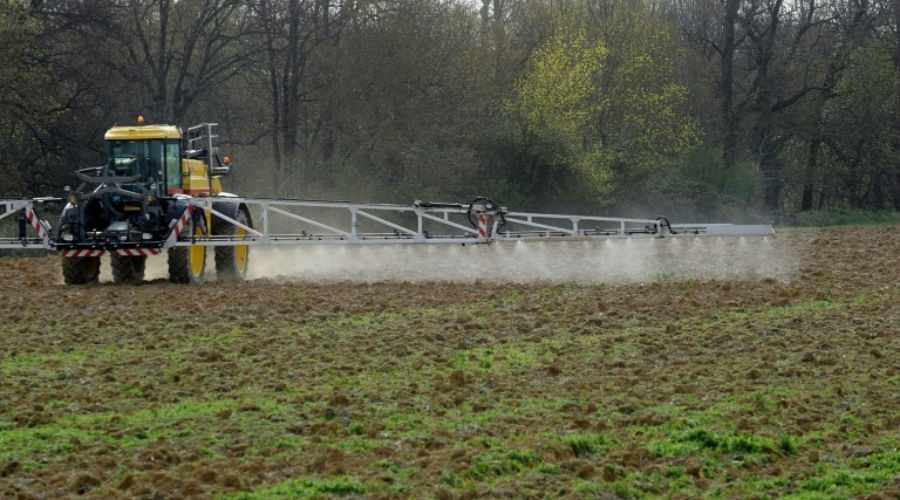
187,265
128,269
231,262
81,270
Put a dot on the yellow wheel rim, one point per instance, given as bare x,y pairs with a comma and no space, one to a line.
240,252
197,256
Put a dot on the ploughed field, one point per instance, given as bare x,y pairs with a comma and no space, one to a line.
674,388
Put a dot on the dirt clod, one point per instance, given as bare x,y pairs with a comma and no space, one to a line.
9,468
457,378
82,483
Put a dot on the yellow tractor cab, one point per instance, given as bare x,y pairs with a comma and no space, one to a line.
154,154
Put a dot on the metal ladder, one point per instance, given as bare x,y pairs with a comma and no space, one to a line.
204,136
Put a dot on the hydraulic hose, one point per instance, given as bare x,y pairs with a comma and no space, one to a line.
490,207
664,222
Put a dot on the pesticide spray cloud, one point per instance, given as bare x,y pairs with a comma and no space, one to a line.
629,260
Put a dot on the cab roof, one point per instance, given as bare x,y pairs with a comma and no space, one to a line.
134,132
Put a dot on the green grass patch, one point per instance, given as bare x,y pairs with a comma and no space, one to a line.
52,440
499,359
787,444
584,444
864,476
302,489
499,464
697,440
185,420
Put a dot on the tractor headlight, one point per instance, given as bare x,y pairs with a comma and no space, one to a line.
147,236
67,236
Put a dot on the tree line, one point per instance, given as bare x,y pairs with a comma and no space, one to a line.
683,106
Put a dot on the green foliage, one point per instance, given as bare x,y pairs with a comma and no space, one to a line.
519,167
611,94
568,105
31,103
557,92
701,184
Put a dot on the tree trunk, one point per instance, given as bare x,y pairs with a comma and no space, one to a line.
291,83
726,85
485,22
162,65
895,191
809,174
877,189
271,21
323,12
497,24
768,155
772,198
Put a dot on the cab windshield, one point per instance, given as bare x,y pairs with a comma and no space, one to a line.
155,162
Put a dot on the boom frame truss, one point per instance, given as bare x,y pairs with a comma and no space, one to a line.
317,222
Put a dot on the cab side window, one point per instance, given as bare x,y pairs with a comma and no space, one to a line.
153,167
173,167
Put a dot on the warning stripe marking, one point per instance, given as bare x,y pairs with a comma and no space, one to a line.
122,252
482,226
179,226
36,224
137,252
83,253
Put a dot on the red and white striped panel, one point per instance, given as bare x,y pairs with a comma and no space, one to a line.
179,226
137,252
482,226
36,224
83,253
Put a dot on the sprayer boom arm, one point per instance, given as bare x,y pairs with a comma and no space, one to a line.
305,222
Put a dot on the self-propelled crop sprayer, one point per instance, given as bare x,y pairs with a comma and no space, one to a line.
160,190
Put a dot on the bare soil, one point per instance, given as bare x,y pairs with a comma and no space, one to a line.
672,388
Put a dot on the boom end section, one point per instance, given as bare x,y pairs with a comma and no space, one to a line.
725,229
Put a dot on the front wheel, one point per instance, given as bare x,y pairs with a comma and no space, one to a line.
81,270
187,265
128,269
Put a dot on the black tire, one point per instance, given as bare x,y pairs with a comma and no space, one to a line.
128,269
232,262
81,270
187,265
